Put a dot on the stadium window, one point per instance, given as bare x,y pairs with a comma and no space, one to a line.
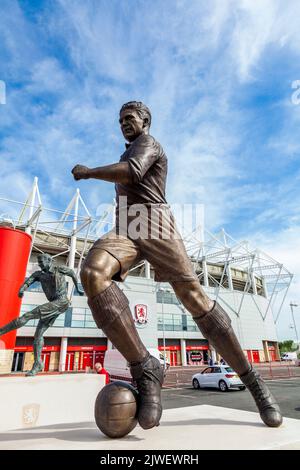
177,323
59,322
78,317
190,324
166,298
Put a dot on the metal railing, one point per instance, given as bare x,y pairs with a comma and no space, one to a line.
181,376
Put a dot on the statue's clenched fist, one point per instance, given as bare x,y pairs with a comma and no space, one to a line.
80,172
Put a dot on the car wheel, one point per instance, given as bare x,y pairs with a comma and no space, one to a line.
242,388
223,386
196,384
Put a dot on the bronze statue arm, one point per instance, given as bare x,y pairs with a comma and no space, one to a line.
69,272
30,280
74,278
115,173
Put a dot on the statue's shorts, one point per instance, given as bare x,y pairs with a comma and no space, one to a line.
51,310
153,238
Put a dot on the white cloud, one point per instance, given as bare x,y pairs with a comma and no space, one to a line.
252,32
48,76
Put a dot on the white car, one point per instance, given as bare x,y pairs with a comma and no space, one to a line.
222,377
118,368
289,356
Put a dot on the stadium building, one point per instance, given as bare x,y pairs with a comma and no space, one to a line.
248,283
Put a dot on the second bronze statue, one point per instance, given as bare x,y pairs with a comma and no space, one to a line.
52,279
140,180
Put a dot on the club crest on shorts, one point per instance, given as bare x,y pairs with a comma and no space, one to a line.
141,313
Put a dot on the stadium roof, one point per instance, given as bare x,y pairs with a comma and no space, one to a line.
71,233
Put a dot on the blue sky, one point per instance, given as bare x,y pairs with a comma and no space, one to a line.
217,76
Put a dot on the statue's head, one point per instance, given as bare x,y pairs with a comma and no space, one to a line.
44,261
135,119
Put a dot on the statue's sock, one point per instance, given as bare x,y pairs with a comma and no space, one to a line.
215,325
112,315
13,325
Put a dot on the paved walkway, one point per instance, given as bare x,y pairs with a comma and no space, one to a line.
196,427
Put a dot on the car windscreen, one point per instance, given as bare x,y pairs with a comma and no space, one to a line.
207,371
229,369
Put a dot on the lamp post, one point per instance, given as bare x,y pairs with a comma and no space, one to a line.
184,327
163,290
294,305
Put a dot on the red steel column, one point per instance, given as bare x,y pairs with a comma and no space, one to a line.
14,254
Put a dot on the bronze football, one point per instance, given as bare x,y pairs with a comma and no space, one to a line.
116,409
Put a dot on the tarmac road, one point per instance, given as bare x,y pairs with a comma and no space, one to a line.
286,391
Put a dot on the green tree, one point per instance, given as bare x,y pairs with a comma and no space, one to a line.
287,346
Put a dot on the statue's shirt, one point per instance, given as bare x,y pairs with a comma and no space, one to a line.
148,165
53,282
145,227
